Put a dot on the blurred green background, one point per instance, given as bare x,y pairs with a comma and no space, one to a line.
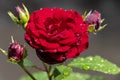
106,43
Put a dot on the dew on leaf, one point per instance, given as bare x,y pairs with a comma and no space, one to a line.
86,67
65,73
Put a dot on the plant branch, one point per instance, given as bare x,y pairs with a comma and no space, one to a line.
38,68
32,77
48,70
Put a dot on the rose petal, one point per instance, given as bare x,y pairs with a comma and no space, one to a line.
51,50
70,40
51,58
82,47
63,48
58,13
31,41
84,38
56,34
32,30
42,34
72,53
60,36
48,45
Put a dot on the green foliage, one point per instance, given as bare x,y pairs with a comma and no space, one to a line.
95,63
79,76
3,51
61,72
27,63
38,76
13,17
72,76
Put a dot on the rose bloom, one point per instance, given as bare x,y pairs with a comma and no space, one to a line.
56,34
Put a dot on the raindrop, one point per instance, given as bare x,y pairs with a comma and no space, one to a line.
41,8
65,73
86,67
77,43
90,58
36,40
102,61
82,59
55,50
82,28
95,68
77,35
81,24
41,50
51,9
65,10
30,42
48,33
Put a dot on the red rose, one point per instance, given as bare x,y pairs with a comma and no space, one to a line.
56,34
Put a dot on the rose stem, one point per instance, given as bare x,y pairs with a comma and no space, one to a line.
32,77
50,74
48,70
38,68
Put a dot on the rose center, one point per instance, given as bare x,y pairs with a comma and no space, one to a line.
53,26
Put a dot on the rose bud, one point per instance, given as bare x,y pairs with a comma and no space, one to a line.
15,52
57,34
94,21
22,17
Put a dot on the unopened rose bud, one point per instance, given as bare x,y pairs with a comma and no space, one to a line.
22,17
94,20
15,52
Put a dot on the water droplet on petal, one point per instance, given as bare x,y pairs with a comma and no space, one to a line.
41,8
36,40
81,24
30,42
77,35
55,50
51,9
77,43
48,33
41,50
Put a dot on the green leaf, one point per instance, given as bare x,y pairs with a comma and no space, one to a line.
27,63
3,51
61,72
86,14
95,63
72,76
79,76
26,11
38,76
13,17
102,27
